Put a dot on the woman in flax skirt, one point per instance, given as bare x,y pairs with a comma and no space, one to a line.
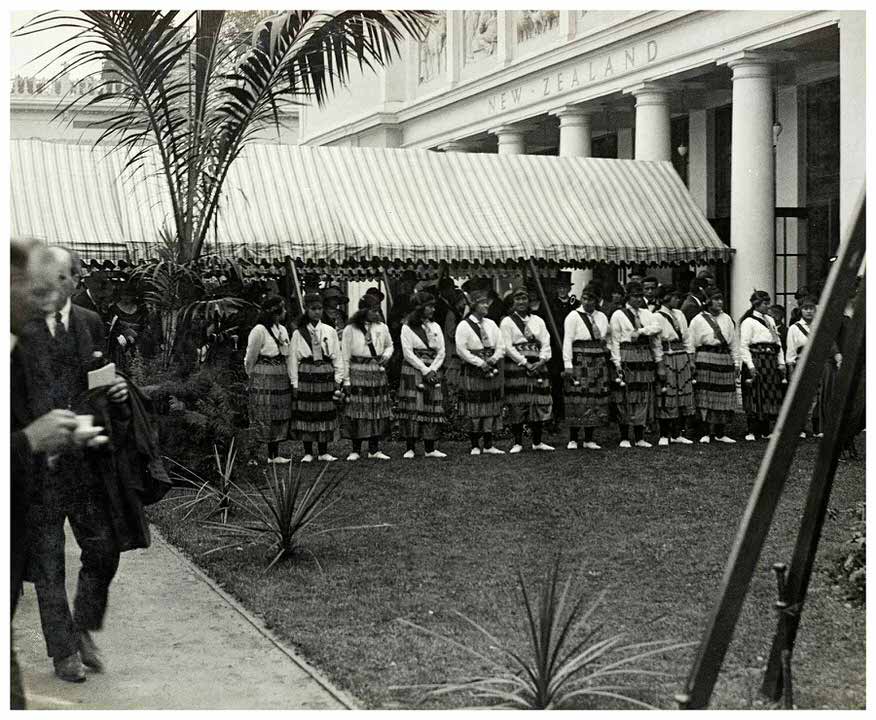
716,361
270,388
366,349
317,373
420,394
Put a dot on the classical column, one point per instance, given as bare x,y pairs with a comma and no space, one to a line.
653,136
575,130
853,114
752,180
512,139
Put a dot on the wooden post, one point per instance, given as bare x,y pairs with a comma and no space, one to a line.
552,323
291,271
773,473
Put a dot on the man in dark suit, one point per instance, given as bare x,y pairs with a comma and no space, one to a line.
695,302
59,348
32,437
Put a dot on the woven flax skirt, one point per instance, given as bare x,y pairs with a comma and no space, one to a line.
368,408
635,401
528,397
480,397
715,392
587,403
270,399
316,416
420,412
676,398
763,398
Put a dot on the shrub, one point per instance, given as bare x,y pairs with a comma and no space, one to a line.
849,567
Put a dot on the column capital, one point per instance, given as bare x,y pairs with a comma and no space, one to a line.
748,64
509,130
575,114
454,146
650,93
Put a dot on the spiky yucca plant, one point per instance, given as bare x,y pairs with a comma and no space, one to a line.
565,658
285,514
216,493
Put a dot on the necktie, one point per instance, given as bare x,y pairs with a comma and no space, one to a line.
315,347
60,330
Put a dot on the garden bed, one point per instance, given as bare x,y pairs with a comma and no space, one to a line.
655,527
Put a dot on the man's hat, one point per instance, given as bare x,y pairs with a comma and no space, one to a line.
564,277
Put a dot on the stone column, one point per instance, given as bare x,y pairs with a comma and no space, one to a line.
653,136
575,135
752,180
512,139
853,114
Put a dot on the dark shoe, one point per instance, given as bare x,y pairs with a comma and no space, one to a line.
89,652
70,668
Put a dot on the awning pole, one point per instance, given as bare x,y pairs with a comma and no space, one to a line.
544,301
389,302
290,270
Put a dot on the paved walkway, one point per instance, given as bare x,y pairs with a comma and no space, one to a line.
171,640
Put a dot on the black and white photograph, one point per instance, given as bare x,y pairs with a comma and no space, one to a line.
450,359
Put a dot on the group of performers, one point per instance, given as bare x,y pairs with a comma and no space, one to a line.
644,365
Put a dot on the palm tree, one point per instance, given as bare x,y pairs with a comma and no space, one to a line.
190,98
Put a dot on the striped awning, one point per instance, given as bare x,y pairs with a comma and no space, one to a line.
349,205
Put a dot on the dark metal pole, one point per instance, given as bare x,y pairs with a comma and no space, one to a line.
817,501
547,307
773,473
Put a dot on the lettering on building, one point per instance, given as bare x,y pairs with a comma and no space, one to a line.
600,68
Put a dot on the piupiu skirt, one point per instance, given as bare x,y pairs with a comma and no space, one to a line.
270,399
480,396
368,409
715,392
587,403
763,398
420,410
527,396
635,401
315,417
675,398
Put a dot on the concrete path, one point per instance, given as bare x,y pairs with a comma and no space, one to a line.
171,640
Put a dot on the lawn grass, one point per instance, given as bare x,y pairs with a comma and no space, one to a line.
655,527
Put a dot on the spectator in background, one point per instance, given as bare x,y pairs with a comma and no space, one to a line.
616,300
777,313
649,285
796,314
695,302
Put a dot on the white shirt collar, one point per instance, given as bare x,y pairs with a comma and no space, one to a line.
759,314
65,315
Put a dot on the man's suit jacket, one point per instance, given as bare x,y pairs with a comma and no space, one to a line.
25,467
690,308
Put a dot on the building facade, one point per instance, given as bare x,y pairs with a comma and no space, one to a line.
761,113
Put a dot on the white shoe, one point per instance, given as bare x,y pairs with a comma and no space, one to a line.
475,451
643,444
280,460
514,449
681,440
493,451
436,454
725,439
803,436
663,442
625,444
307,458
543,447
766,437
353,456
409,454
326,457
592,446
705,439
750,437
573,445
379,456
821,435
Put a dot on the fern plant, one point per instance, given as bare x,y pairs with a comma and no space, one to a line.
565,657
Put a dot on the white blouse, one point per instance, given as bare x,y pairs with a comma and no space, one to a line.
353,344
331,350
702,335
574,328
410,341
751,331
468,340
511,335
668,333
260,342
622,330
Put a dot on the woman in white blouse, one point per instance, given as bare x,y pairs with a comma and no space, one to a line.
480,349
270,387
317,372
763,367
366,347
420,394
712,336
527,382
